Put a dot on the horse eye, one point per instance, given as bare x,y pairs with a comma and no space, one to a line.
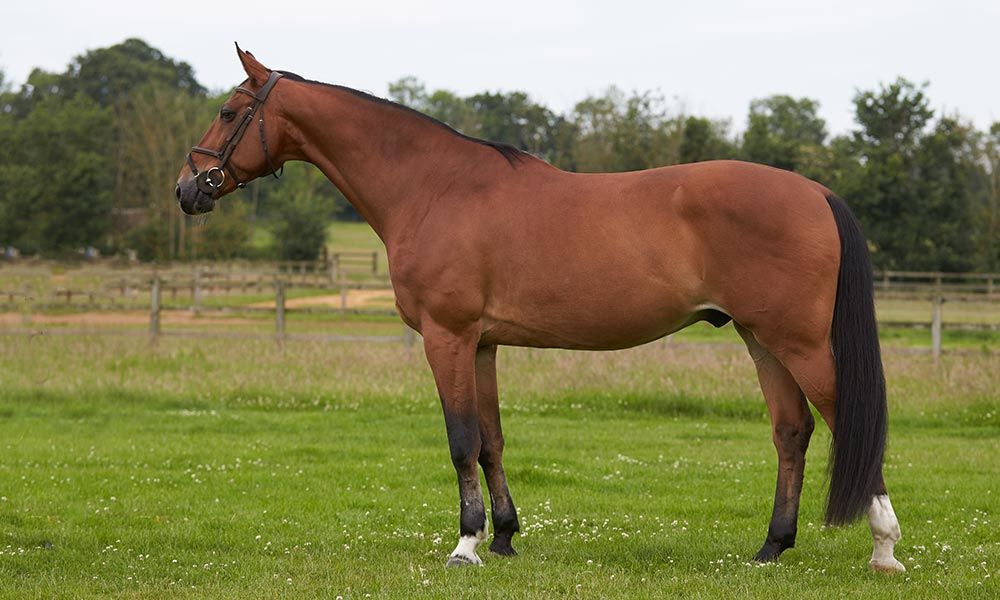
227,114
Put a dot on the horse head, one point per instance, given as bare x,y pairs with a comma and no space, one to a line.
237,148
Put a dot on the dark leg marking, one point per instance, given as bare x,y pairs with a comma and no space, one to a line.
791,427
452,359
791,443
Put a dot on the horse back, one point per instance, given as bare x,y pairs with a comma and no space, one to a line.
613,260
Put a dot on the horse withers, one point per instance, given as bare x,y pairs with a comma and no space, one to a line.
490,246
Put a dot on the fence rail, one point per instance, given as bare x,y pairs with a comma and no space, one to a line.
953,286
39,288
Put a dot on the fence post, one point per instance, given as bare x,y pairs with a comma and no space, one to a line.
196,289
27,305
279,308
409,336
375,263
343,300
936,328
334,267
154,309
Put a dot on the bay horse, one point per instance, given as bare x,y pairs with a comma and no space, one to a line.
489,246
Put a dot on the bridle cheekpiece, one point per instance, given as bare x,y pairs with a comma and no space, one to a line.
211,180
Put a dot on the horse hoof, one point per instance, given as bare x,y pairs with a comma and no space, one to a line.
457,560
767,554
503,549
890,566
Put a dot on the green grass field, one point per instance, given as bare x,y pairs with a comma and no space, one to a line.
349,236
236,469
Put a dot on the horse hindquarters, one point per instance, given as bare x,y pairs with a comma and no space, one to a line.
842,376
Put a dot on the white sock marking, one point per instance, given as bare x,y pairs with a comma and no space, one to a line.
467,545
885,533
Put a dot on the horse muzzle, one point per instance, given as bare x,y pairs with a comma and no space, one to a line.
192,200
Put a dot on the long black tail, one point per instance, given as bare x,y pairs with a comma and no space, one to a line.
861,419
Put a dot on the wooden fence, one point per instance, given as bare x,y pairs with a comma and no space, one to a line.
104,287
953,286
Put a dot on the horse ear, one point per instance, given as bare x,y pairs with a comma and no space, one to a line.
257,72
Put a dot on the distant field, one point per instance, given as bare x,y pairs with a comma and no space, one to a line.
351,236
343,236
228,469
951,312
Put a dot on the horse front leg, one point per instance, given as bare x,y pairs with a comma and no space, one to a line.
452,357
505,523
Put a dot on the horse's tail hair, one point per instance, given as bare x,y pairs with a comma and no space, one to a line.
860,421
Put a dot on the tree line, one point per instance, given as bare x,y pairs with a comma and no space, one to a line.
88,157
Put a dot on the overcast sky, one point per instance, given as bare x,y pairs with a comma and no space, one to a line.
710,57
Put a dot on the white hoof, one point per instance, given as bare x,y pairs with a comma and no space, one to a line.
887,566
465,552
462,561
885,534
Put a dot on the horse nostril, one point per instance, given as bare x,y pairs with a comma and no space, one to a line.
177,192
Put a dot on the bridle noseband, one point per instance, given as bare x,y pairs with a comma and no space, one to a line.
211,180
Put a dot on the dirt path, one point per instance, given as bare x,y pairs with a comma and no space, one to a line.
356,299
168,317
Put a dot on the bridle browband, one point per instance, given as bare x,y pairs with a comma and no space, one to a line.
211,180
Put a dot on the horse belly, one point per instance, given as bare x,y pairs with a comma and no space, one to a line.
590,314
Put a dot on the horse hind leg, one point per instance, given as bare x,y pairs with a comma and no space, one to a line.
791,427
815,372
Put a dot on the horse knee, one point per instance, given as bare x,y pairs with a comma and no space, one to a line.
794,436
464,456
464,444
491,452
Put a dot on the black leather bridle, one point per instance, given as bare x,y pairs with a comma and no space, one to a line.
211,180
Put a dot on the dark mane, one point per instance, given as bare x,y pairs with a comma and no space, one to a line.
509,152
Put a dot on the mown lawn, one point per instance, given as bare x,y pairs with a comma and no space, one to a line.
235,469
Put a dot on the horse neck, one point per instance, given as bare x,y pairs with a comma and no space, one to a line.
388,162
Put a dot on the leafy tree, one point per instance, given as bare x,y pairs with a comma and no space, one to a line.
89,156
109,74
843,170
512,118
625,133
785,132
158,126
887,195
914,189
893,118
69,130
705,139
223,234
986,213
301,208
942,221
56,193
409,91
515,119
450,108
